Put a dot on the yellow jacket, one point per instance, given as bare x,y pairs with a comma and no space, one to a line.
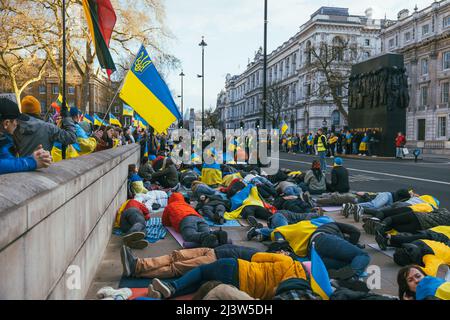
433,261
260,277
226,181
445,230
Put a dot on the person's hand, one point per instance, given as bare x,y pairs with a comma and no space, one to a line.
99,134
42,157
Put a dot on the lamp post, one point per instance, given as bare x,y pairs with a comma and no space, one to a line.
264,100
203,45
182,98
324,124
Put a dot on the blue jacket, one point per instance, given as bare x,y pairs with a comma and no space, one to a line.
8,162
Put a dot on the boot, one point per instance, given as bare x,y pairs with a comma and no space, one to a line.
222,236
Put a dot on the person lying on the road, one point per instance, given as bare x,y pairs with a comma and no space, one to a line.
216,290
439,234
179,262
383,199
414,284
213,207
131,219
258,278
433,256
336,243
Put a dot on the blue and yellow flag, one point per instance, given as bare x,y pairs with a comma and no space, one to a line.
88,119
320,281
433,287
113,120
284,127
139,122
146,150
147,93
98,121
127,111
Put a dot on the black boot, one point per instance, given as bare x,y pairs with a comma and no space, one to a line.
222,236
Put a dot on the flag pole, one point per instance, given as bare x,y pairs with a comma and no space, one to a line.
112,102
64,111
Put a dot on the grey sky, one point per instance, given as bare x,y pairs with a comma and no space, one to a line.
233,30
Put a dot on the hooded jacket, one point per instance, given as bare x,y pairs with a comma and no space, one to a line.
30,134
8,162
177,209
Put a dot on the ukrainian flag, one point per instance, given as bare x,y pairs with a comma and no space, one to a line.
147,93
139,122
284,127
146,150
114,120
320,281
88,119
211,174
127,111
99,122
433,287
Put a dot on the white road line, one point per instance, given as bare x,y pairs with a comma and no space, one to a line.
379,173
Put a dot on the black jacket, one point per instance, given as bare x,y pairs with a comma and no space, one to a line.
339,180
342,230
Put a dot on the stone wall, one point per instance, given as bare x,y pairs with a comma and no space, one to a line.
56,223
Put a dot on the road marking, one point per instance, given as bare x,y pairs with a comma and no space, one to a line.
373,172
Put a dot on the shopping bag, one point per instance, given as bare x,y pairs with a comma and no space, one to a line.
405,151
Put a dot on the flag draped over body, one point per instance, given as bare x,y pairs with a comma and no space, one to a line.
101,20
147,93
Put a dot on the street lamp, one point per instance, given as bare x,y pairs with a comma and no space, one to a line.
264,99
203,45
324,123
182,98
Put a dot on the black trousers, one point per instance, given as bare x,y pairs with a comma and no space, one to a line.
403,222
257,212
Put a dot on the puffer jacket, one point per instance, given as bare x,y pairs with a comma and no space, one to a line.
131,204
8,162
438,217
265,272
177,209
30,134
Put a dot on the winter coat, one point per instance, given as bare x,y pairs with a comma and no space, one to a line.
400,141
265,272
177,209
339,179
168,175
8,162
30,134
313,183
146,171
131,204
439,217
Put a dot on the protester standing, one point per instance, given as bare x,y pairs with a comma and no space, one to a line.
400,143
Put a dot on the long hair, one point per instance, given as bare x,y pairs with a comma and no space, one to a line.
403,284
316,169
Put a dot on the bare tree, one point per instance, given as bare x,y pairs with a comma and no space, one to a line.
212,118
277,99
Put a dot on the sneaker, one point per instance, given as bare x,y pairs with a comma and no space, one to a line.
132,237
357,213
252,233
382,241
210,241
341,274
109,292
346,207
138,245
129,261
152,293
165,289
371,225
254,223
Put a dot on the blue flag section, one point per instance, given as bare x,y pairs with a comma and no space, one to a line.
320,281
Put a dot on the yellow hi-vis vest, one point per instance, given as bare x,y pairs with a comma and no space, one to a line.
320,145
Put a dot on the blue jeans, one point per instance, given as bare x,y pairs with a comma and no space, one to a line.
382,199
399,152
132,220
203,189
337,253
355,148
323,161
194,229
223,270
262,180
277,220
292,191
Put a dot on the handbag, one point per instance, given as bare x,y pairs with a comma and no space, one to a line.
405,151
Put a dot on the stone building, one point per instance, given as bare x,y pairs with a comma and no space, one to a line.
291,66
423,37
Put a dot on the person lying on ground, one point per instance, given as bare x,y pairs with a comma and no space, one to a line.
339,178
303,203
415,284
336,199
257,278
199,189
336,243
131,219
287,188
192,226
213,207
179,262
216,290
433,256
439,234
315,181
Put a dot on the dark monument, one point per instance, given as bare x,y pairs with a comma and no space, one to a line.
378,98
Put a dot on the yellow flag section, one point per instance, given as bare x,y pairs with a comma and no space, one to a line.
242,199
146,92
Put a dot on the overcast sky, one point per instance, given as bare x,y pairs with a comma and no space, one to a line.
233,30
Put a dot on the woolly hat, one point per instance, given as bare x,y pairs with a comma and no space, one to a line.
338,161
74,112
31,105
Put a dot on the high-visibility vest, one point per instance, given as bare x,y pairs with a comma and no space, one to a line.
320,145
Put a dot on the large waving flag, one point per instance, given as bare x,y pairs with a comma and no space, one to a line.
88,118
58,104
320,281
127,111
101,20
147,93
113,120
99,122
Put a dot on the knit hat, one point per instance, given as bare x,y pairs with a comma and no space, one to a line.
31,105
338,161
74,112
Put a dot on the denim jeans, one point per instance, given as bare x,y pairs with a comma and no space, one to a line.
223,270
382,199
399,152
337,253
263,180
203,189
131,221
323,161
277,220
194,229
292,191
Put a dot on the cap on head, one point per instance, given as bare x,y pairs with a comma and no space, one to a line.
10,110
31,105
338,161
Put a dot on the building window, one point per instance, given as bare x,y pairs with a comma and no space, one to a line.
447,22
294,62
71,91
367,42
446,60
42,90
407,36
424,65
445,92
55,90
425,29
43,106
336,118
366,55
442,126
424,96
288,64
391,43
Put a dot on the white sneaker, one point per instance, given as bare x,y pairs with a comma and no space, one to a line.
109,292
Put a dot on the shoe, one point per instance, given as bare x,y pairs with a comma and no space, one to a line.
210,241
346,209
252,233
116,294
341,274
132,237
152,293
354,284
138,245
308,199
254,223
129,261
371,225
163,288
222,236
382,241
357,213
442,271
